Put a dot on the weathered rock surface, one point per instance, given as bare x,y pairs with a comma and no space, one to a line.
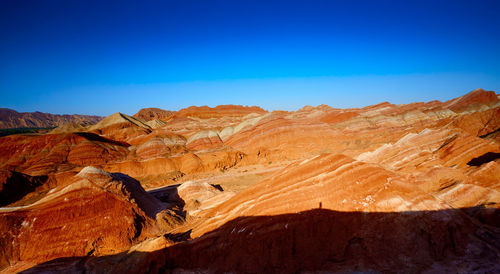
12,119
149,114
204,140
97,213
383,188
205,112
335,182
201,196
478,99
14,186
121,127
51,153
68,128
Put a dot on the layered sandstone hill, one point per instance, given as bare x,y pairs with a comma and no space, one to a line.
310,131
53,153
205,112
122,127
95,213
340,183
478,99
69,128
12,119
412,187
149,114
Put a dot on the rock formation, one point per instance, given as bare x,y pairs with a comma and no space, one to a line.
52,153
205,112
122,127
383,188
14,186
96,213
12,119
148,114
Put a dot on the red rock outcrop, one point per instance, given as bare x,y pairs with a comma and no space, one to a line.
205,112
121,127
97,213
69,128
201,196
174,167
12,119
44,154
148,114
480,123
159,143
474,100
204,140
442,164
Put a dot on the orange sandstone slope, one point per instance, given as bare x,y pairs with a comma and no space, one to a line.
205,112
96,213
473,101
149,114
121,127
53,153
310,131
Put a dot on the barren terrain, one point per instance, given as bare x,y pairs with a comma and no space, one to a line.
383,188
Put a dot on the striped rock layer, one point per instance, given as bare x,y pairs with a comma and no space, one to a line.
383,188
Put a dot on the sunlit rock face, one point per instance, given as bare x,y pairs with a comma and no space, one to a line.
205,112
478,99
96,213
151,114
382,188
52,153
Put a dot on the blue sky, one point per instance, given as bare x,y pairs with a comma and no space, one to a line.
100,57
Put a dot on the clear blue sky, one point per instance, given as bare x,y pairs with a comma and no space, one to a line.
100,57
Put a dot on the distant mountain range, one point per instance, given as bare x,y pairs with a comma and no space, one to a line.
12,119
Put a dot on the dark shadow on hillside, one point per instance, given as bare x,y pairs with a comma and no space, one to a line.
483,159
24,130
170,196
98,138
492,134
14,186
217,186
455,240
